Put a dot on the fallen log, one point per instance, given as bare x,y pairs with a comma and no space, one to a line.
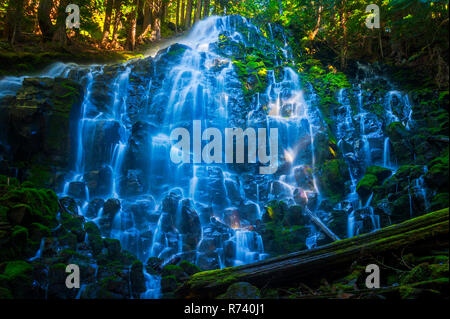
422,233
316,220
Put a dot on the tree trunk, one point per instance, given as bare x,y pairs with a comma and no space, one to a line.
317,27
344,44
131,37
156,14
107,23
182,16
198,10
45,23
206,8
418,235
14,19
117,17
164,11
188,14
60,35
177,16
147,23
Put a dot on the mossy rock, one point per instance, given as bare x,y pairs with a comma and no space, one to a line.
37,231
332,177
189,268
19,213
19,274
137,278
241,290
173,270
399,137
380,172
439,201
19,237
168,284
275,211
152,265
91,228
43,204
113,247
68,240
366,185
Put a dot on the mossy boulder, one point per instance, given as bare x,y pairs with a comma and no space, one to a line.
28,205
137,278
241,290
400,138
168,284
440,201
113,247
380,172
189,268
173,270
365,185
332,176
437,175
37,231
19,276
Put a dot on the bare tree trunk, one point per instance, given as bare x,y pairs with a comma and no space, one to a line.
182,16
60,35
107,23
156,14
188,14
164,11
198,10
147,23
14,19
45,23
317,27
131,38
344,44
117,17
177,16
206,9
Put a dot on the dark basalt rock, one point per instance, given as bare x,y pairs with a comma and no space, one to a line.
42,120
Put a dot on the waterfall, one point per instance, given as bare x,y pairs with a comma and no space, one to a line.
386,153
210,213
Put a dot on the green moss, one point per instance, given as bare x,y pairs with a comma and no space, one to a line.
19,236
9,181
17,269
366,184
91,228
380,172
169,283
173,270
440,201
189,268
37,231
332,176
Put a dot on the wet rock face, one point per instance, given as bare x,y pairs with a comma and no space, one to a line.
42,123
